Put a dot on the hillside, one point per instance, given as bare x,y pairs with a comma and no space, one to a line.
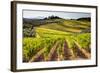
72,26
56,39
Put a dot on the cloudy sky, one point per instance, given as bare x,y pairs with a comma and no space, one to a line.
43,14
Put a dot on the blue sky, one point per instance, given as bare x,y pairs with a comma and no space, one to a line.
65,15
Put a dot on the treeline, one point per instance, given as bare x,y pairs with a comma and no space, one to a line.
52,17
38,22
30,21
49,19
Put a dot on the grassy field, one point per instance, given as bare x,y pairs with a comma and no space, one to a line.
58,40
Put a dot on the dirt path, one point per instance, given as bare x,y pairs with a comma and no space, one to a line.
82,53
68,53
52,56
38,56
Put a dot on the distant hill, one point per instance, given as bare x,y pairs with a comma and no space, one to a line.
27,20
85,19
38,22
81,25
56,23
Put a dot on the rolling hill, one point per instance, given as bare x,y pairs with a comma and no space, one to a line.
56,39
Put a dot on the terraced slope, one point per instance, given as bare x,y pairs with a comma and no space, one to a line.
71,26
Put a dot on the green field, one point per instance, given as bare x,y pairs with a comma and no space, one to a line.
57,40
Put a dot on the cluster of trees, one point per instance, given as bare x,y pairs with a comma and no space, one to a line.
29,32
52,17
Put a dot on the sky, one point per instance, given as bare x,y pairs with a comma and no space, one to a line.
42,14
